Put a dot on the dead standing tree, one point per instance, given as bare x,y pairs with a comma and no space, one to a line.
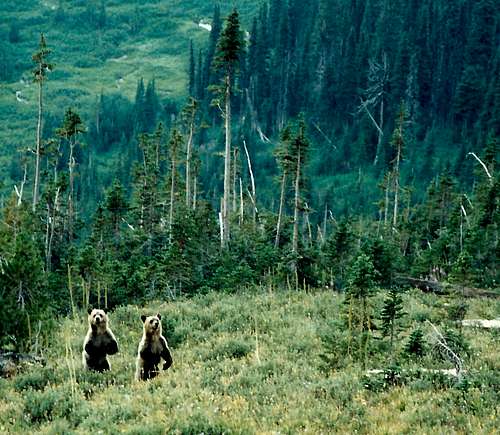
374,95
39,76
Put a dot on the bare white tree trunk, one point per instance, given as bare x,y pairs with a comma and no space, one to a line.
241,203
227,164
172,197
195,192
280,211
188,160
396,168
252,181
38,150
295,237
71,168
19,192
386,200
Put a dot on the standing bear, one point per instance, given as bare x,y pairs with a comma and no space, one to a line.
152,348
99,342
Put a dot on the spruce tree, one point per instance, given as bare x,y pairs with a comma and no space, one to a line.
229,50
40,75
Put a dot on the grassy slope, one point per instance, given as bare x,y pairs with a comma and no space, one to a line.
88,61
248,363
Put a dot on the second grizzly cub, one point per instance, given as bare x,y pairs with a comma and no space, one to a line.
152,348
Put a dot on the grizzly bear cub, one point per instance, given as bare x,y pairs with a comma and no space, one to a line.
152,348
99,342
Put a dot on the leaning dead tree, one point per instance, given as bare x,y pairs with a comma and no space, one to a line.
443,347
374,98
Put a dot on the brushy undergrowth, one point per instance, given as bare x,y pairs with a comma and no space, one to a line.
264,362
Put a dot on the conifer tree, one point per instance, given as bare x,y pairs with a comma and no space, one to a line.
229,50
392,310
298,151
285,163
40,75
189,115
174,147
72,126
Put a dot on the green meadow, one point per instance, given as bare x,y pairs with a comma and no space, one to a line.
262,361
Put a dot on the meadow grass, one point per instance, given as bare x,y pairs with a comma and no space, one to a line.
252,362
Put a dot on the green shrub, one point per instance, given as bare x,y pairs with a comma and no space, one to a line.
233,348
415,346
36,379
201,424
40,406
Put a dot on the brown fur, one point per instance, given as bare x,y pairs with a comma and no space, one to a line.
99,342
152,348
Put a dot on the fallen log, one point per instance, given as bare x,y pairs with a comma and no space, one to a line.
442,288
425,285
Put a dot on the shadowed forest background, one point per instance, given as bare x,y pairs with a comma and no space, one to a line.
384,103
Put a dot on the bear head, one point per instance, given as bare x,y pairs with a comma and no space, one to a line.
152,325
98,319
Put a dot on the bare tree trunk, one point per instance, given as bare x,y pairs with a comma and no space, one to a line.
386,200
172,197
38,145
53,224
241,203
252,180
325,220
280,211
396,169
308,223
221,224
188,160
295,237
71,167
227,164
195,191
380,132
235,158
19,192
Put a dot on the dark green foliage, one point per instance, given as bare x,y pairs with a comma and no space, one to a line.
316,58
392,310
232,349
415,345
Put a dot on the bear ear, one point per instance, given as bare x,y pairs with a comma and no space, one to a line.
159,316
89,310
143,318
105,310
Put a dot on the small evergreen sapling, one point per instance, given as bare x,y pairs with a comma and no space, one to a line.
361,285
392,310
415,346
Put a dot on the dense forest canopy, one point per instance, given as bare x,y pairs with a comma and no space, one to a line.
296,142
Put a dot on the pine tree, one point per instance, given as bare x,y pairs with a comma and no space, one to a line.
392,310
40,75
229,50
174,147
285,163
189,115
71,128
298,151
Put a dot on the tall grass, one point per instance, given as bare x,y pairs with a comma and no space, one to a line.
257,362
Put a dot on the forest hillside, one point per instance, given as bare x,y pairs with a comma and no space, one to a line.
306,191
